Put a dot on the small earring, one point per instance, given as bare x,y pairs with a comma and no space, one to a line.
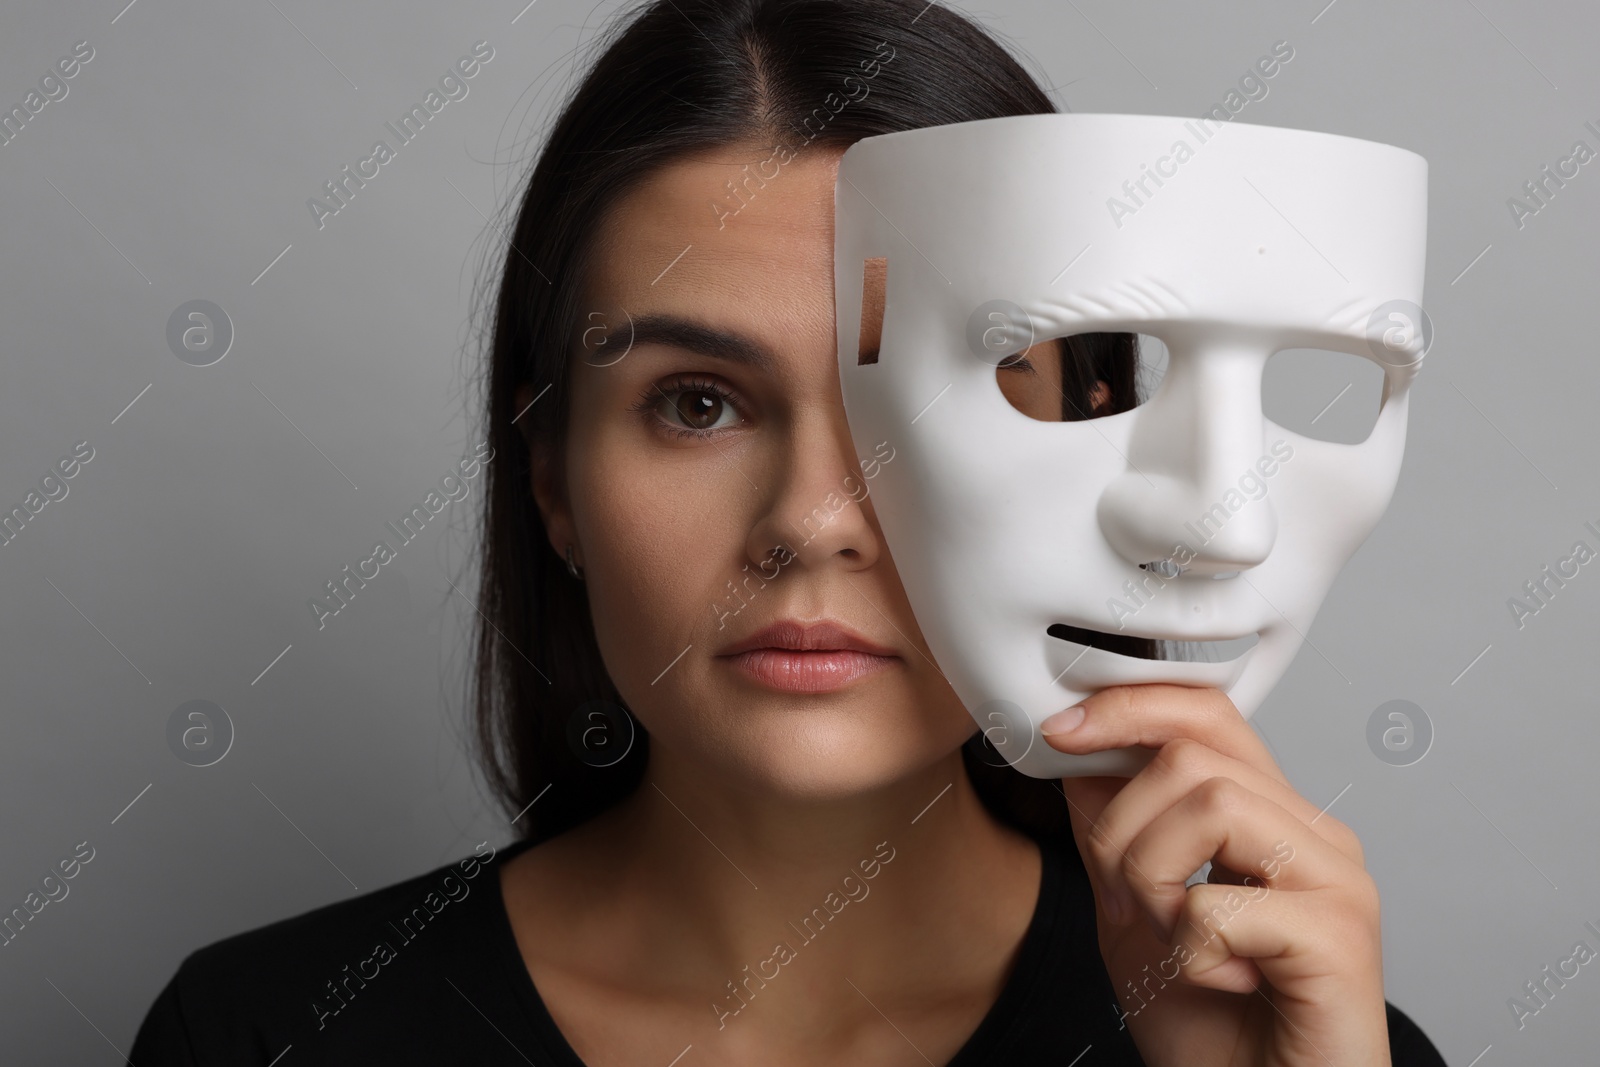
572,568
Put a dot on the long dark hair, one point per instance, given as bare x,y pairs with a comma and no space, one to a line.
673,77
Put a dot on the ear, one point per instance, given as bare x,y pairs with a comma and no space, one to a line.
547,487
1099,396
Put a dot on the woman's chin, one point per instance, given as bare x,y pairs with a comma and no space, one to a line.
818,757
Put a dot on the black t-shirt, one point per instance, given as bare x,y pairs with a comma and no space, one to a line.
427,971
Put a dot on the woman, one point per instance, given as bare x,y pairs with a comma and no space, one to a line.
755,828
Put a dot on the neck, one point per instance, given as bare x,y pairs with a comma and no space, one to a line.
728,894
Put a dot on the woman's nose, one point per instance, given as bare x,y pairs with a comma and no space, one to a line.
1196,488
815,501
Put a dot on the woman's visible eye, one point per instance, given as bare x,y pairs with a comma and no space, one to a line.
1017,361
690,406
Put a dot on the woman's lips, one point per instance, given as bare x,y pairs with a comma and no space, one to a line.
815,671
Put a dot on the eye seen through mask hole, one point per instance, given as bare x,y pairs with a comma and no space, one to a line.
1083,375
1322,394
1061,379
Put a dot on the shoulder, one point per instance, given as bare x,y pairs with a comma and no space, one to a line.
403,909
1408,1045
255,992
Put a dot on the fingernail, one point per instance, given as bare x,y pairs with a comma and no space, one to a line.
1063,721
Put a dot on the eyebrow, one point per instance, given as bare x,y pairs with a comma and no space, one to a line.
679,332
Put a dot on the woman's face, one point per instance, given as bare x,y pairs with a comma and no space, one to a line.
685,467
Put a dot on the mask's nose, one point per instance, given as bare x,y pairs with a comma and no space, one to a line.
1196,491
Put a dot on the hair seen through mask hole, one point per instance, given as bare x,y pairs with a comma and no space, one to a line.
1059,379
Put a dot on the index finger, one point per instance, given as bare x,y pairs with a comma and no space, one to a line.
1154,713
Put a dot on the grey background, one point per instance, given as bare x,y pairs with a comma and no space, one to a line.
179,565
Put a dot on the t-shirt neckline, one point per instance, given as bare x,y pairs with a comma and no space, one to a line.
1002,1017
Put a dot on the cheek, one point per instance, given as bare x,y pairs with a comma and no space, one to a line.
663,532
659,542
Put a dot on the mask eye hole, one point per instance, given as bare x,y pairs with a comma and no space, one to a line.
1082,376
1323,394
874,289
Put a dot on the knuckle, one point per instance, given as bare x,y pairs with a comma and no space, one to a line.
1350,928
1184,757
1104,852
1221,706
1364,891
1351,843
1219,795
1211,710
1126,699
1357,854
1334,825
1328,939
1130,869
1343,837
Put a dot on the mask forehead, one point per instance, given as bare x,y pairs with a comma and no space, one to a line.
1226,242
1293,231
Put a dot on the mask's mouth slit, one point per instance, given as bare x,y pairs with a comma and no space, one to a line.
1137,647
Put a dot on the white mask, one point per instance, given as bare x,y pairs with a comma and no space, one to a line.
1228,243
